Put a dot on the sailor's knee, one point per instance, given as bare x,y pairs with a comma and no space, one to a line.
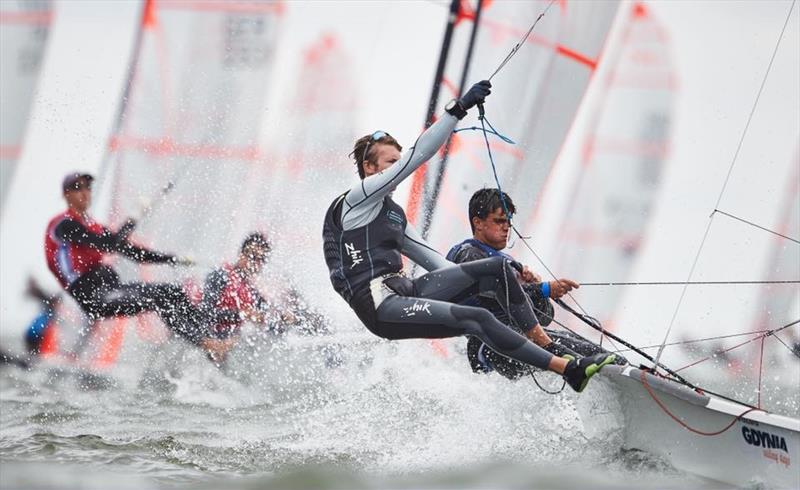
471,318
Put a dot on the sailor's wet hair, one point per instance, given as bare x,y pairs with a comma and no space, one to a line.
364,149
485,201
256,239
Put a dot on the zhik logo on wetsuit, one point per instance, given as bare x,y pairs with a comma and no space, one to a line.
354,253
417,306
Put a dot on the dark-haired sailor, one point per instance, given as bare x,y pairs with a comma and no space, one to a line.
490,230
75,248
366,233
230,298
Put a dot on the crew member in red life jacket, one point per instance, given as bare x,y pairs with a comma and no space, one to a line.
75,246
229,297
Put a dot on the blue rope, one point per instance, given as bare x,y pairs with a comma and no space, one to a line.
493,131
482,118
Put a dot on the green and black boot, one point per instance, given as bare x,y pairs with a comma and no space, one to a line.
579,371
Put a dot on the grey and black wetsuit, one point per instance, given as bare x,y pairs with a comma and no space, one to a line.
366,232
482,358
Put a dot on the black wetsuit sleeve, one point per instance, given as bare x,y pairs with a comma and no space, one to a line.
72,231
141,254
212,292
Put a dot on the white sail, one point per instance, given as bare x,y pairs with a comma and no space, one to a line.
534,101
24,29
620,164
717,167
192,118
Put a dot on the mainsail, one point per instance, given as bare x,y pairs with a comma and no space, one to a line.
622,157
534,102
24,28
307,169
191,119
187,137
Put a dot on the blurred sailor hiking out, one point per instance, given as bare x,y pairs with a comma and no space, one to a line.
75,248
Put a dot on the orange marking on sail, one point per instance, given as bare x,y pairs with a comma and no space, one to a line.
149,19
415,195
31,18
640,10
10,152
109,348
240,7
574,55
450,86
168,147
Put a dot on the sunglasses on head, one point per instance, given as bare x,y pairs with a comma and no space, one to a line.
376,136
80,185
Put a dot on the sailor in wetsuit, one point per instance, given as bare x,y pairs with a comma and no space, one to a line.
490,229
75,247
366,232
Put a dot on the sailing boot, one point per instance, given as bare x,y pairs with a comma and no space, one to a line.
579,371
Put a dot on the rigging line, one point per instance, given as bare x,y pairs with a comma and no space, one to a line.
757,226
679,283
666,410
725,184
697,341
755,104
522,42
532,375
760,372
723,351
786,345
596,325
549,271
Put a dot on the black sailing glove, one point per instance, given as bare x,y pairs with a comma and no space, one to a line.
476,94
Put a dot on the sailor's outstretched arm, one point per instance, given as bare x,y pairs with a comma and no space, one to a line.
362,199
417,249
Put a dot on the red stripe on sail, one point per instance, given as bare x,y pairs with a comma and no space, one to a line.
168,147
574,55
223,6
28,18
10,152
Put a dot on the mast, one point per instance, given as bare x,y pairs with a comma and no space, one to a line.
430,201
418,182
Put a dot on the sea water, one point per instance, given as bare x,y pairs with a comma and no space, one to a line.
312,413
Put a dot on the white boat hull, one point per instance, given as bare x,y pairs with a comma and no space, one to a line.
759,448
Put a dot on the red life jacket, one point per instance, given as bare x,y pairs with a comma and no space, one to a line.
68,261
237,295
